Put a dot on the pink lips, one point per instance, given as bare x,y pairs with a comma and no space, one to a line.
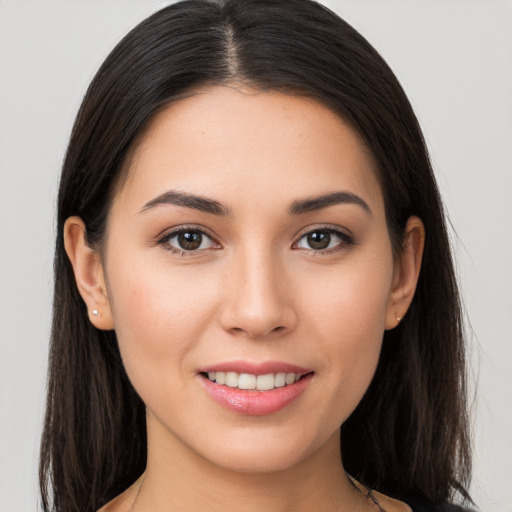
254,402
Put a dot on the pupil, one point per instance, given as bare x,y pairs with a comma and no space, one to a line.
190,240
319,239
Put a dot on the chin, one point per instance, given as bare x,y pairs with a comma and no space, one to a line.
258,461
263,453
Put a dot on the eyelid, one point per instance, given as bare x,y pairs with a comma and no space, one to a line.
324,227
347,238
166,235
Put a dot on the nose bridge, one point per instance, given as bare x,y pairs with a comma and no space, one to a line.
256,299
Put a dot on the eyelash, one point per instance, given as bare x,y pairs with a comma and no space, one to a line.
164,240
346,240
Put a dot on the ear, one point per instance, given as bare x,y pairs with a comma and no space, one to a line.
89,276
406,272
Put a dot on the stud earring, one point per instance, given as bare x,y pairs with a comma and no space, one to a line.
95,312
398,319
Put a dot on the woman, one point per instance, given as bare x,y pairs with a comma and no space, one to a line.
255,304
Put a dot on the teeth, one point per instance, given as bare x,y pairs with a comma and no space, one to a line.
232,379
290,378
249,381
280,380
265,382
246,381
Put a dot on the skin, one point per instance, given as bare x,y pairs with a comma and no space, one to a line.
256,290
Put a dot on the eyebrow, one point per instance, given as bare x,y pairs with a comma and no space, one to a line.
298,207
319,202
203,204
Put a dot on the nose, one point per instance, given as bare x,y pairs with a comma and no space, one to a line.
257,298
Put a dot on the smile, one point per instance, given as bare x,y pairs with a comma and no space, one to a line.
247,381
255,389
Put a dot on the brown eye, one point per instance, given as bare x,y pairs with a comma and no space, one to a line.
188,240
319,239
325,240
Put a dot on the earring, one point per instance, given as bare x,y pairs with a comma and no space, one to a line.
398,319
95,312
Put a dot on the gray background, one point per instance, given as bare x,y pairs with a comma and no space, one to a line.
454,59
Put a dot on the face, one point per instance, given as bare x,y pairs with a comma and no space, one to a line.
249,246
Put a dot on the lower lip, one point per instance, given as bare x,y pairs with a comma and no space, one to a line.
256,403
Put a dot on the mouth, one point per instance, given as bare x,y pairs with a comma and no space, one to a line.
255,389
252,382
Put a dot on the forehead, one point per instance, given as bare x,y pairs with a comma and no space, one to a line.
236,143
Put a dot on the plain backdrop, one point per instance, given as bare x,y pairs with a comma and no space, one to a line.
454,59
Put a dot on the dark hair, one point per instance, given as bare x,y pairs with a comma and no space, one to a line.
409,434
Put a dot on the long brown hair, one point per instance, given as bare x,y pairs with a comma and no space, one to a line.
409,434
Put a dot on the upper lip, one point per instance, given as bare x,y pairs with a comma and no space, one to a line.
255,368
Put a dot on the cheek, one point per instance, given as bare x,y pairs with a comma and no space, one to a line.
159,314
349,321
350,302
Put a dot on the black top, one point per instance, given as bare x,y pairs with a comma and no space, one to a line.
424,505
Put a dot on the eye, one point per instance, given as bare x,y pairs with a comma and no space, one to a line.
325,240
187,240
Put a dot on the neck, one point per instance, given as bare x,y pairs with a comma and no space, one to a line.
177,478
